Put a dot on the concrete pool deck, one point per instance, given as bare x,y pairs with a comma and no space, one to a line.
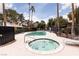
18,48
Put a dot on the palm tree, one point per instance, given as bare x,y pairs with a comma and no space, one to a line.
4,14
21,18
58,17
29,16
72,28
32,11
75,13
29,10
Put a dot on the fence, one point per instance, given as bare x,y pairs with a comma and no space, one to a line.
6,34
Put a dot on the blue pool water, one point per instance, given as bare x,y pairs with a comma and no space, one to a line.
43,44
37,33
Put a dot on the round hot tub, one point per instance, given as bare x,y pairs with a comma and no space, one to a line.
44,46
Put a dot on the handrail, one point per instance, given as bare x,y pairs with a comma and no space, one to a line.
28,36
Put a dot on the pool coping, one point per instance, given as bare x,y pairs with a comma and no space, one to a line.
44,52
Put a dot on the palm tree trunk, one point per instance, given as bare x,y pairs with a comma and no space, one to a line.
58,17
75,12
15,27
29,11
76,15
72,28
29,17
4,14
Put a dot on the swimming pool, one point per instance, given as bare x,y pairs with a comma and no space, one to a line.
37,33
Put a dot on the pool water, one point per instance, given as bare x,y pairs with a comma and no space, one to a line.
37,33
44,44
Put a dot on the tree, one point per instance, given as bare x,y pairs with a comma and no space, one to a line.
72,17
36,24
42,25
62,22
29,10
77,16
58,17
50,22
54,26
72,28
13,15
28,23
1,16
76,20
21,18
1,19
4,14
32,11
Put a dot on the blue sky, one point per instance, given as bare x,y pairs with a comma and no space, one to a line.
43,11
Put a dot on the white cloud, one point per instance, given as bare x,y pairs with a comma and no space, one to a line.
8,5
14,8
26,16
46,19
1,8
64,7
35,18
65,16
